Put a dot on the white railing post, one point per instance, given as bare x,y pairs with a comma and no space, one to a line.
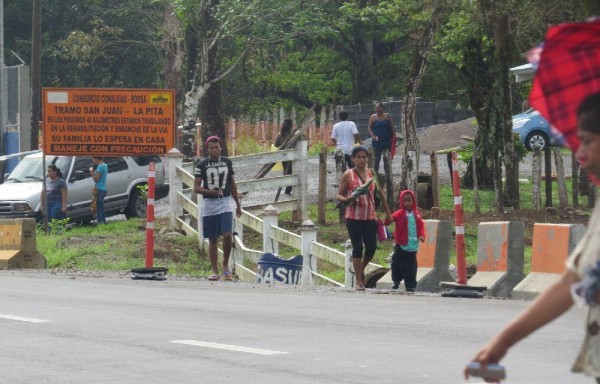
199,224
270,217
348,270
308,234
301,169
238,227
175,159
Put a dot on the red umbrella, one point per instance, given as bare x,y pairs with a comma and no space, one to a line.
568,71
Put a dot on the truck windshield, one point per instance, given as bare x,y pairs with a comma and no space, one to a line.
30,168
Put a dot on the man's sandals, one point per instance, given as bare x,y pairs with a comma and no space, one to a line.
227,276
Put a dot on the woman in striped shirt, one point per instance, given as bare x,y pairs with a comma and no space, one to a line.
360,215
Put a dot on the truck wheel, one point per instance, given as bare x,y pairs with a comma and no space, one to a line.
137,205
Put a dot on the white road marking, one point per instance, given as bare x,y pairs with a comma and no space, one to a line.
229,347
19,318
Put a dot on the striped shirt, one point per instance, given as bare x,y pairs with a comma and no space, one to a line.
363,208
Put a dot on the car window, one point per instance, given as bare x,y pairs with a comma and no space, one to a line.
82,164
115,164
146,160
31,168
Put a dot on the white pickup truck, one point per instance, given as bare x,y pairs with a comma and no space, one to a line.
20,193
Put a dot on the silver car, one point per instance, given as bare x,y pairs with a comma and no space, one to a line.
20,193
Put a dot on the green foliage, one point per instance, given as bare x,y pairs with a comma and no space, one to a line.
55,227
315,149
96,43
245,145
116,247
487,198
466,154
520,149
143,191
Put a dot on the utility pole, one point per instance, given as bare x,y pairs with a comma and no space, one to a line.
36,69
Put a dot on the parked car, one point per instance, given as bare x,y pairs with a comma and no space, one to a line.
20,193
534,131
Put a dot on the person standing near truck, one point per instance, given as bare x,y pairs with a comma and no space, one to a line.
54,200
99,173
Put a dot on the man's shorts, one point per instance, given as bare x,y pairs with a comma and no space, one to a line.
215,226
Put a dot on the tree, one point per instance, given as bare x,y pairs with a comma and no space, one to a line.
111,44
410,163
220,33
483,40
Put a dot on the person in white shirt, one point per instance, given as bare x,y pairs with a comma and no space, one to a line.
344,136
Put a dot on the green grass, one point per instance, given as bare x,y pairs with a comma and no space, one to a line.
120,246
487,198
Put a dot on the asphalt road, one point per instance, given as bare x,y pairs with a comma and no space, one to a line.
61,328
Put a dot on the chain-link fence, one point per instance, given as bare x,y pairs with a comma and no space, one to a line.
15,114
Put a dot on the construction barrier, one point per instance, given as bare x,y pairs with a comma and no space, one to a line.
500,257
551,246
17,245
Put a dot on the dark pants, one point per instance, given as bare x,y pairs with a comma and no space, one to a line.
377,151
404,267
362,232
348,161
100,214
54,211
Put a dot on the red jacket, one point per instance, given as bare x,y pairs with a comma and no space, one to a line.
399,217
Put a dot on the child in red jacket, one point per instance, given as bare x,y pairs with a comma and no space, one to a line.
407,234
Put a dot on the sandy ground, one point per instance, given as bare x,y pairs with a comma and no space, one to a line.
445,136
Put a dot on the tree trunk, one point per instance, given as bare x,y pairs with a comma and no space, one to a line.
504,49
478,78
575,179
537,179
548,175
204,43
212,121
475,183
174,54
410,163
364,86
560,178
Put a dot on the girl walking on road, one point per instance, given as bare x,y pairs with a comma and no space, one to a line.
360,212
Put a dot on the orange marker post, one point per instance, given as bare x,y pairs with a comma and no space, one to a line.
461,264
150,217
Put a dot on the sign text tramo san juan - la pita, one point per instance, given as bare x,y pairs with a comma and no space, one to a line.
108,122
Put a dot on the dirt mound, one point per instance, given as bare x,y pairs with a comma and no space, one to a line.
445,136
